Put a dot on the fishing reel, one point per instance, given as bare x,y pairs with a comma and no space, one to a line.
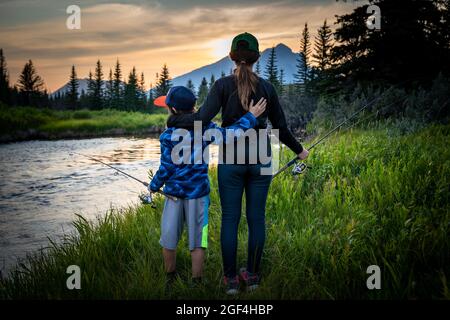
299,168
146,198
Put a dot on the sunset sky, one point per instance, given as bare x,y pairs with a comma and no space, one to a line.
146,34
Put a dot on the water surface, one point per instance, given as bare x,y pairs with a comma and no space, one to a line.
43,184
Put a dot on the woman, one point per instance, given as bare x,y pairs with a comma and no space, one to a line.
231,95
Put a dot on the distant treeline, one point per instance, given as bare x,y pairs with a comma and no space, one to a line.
114,92
410,51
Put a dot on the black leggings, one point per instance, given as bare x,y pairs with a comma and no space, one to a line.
233,180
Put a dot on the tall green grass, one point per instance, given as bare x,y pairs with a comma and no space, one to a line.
52,122
374,197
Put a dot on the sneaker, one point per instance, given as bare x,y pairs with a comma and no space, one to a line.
251,280
231,285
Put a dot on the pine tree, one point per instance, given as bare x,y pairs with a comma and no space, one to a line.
90,91
4,80
164,82
211,81
117,99
14,96
322,46
56,100
109,92
202,91
258,68
142,94
72,95
90,84
271,72
132,91
306,50
84,103
30,84
281,81
44,99
98,93
190,85
301,77
151,95
98,87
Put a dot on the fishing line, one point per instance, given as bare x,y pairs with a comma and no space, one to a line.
127,175
372,115
302,166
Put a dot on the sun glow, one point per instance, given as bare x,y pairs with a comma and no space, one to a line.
220,48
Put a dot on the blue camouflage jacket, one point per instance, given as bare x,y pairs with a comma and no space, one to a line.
189,180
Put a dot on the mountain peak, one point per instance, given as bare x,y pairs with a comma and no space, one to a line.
286,60
281,47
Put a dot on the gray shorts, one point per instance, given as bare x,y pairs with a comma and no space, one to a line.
193,212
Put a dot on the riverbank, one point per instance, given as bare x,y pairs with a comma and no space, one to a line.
26,123
373,197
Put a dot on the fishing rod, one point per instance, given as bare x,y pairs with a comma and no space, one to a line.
144,198
298,169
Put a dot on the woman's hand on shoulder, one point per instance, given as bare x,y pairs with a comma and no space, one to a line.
259,108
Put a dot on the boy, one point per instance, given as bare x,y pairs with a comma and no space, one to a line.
189,183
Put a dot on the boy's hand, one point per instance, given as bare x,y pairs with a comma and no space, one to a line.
259,108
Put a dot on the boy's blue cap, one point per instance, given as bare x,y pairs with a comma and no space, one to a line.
178,97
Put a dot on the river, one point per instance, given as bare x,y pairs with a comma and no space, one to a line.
43,184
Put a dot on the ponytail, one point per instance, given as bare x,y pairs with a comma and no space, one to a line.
246,81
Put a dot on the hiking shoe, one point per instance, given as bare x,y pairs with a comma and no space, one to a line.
231,285
251,280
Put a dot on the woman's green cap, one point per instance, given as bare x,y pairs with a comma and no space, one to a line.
247,37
